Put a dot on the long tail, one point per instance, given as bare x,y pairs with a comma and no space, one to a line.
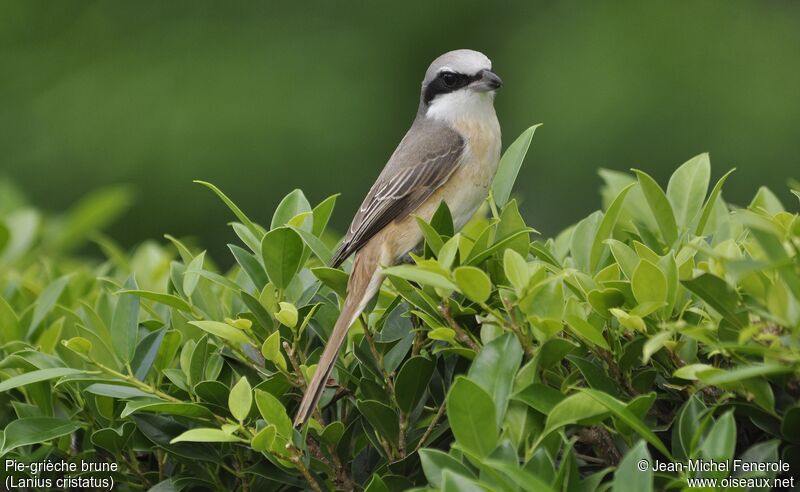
363,284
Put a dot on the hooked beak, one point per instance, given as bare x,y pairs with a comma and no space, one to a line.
489,81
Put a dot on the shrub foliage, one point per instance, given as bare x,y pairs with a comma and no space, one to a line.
664,327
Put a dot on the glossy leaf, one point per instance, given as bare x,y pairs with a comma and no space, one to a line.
282,252
509,166
472,416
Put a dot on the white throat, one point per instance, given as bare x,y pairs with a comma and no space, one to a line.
460,105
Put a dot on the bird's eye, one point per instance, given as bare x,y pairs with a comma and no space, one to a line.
449,79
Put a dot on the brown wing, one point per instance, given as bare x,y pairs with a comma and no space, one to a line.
423,161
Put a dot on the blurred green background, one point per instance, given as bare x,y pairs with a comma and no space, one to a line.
264,97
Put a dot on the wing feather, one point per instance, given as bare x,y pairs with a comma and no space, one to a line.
422,163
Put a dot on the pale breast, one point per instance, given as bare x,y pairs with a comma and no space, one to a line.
463,192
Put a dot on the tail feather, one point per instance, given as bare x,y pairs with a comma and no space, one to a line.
364,282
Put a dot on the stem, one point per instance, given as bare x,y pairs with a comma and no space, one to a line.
403,427
244,359
392,393
341,472
342,480
155,391
429,430
133,463
492,205
299,380
514,325
138,384
461,334
295,459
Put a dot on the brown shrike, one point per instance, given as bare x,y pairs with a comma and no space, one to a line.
449,154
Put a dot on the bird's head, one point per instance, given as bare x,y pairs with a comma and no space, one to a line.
459,84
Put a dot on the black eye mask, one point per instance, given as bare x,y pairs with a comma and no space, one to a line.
447,82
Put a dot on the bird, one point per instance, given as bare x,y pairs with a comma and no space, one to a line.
449,154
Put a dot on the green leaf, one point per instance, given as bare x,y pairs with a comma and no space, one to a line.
195,359
659,205
192,274
236,210
449,251
382,418
315,244
146,353
333,278
333,432
622,413
222,330
767,201
720,443
435,462
5,236
160,297
516,270
509,166
710,202
271,350
432,238
264,439
274,413
494,369
442,220
79,345
478,254
630,475
572,409
46,301
720,376
654,344
522,478
587,331
240,399
322,214
421,276
37,376
687,189
125,323
282,252
442,333
583,236
376,484
206,434
539,397
513,225
24,225
649,284
95,210
473,283
453,482
250,265
120,391
720,296
34,430
12,330
287,315
472,417
412,381
292,205
687,426
626,257
606,227
192,410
